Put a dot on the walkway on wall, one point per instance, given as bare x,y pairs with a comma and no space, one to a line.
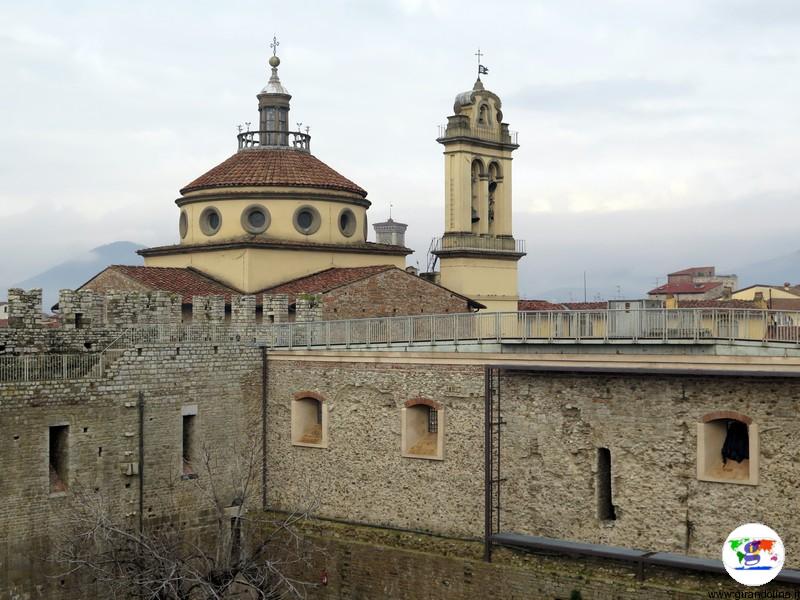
682,327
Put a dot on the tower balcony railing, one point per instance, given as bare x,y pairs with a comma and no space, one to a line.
274,138
469,241
503,136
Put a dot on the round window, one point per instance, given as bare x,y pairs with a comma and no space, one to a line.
307,220
255,219
183,224
210,220
347,222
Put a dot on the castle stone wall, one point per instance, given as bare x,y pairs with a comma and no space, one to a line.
208,309
555,425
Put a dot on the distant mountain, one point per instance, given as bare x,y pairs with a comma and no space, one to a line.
772,271
76,271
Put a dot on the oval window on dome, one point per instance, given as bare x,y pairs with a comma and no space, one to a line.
347,222
210,220
307,220
183,224
255,219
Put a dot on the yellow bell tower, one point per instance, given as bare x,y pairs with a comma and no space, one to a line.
478,254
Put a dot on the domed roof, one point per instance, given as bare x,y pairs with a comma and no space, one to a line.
271,167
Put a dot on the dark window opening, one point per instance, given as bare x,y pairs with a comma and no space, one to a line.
188,449
259,314
433,420
78,320
305,219
319,413
737,442
58,458
605,507
213,220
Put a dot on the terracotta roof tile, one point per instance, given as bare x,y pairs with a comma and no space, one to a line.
273,167
685,288
324,281
717,304
586,305
184,281
694,271
537,305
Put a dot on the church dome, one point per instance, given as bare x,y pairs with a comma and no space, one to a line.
273,167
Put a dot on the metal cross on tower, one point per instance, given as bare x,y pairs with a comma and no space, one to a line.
481,69
274,45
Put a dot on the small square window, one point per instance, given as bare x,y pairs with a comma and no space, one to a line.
727,451
422,434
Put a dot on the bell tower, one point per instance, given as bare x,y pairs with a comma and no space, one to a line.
478,254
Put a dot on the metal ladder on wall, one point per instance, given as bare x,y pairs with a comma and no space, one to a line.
493,426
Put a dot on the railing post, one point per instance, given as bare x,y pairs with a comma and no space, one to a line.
347,334
328,335
433,330
410,331
26,367
455,329
498,333
64,366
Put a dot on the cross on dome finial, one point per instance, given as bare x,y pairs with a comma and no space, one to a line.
274,61
481,69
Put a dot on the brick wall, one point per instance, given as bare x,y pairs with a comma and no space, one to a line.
389,293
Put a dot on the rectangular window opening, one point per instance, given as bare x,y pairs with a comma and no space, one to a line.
605,505
58,458
188,446
78,320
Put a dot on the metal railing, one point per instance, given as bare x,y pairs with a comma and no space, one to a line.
468,241
49,367
503,135
258,139
684,326
655,326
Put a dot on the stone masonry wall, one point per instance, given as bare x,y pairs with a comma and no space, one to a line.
390,293
102,416
555,425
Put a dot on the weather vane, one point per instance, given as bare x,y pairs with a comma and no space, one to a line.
274,45
481,69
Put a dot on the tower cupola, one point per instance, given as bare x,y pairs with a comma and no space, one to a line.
273,106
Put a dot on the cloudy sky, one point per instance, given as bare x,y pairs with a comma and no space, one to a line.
654,135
